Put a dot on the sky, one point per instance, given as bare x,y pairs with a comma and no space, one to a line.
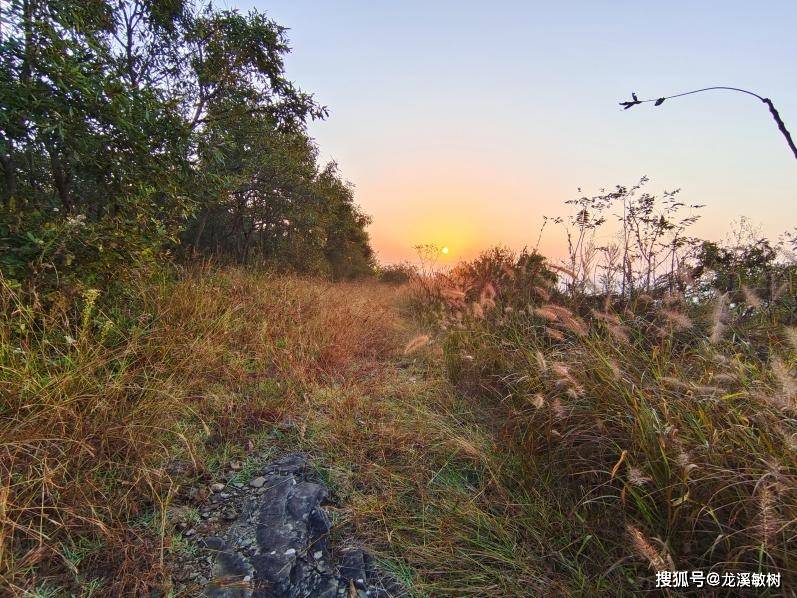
462,124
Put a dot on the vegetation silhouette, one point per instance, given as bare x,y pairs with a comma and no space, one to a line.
634,101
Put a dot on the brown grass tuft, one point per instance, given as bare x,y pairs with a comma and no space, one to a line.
718,319
751,297
620,333
546,314
554,334
642,546
677,319
769,522
607,316
575,325
636,477
542,364
791,336
788,384
542,293
416,343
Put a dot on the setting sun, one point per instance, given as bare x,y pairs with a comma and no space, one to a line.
444,251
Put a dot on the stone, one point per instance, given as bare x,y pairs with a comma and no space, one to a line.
257,482
229,513
217,487
177,514
213,543
198,494
270,538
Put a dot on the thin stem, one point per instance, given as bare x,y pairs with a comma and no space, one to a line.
772,110
687,93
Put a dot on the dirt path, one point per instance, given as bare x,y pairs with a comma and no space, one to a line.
412,466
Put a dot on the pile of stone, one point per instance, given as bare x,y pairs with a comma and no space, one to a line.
270,537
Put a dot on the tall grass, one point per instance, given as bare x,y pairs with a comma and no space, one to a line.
666,425
518,441
107,406
83,431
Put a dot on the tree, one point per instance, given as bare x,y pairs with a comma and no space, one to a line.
92,166
126,122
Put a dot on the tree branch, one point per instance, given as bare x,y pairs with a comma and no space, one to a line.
772,110
781,125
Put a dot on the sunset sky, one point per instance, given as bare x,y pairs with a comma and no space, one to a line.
463,123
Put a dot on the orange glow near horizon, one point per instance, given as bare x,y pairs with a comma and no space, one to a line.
439,156
460,208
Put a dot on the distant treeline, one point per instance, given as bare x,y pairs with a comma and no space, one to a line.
137,131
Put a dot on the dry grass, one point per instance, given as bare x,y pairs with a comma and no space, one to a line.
95,407
101,435
699,414
488,451
83,431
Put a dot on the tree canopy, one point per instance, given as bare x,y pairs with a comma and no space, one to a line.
134,129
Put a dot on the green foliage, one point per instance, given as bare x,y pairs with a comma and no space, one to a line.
92,166
757,276
508,278
125,123
497,280
735,267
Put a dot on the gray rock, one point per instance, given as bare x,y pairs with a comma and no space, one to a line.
271,539
229,513
231,577
213,543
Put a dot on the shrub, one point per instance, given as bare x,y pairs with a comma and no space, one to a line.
673,415
396,273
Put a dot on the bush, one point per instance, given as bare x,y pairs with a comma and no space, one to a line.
666,425
396,273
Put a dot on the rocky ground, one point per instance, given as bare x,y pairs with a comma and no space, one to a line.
270,537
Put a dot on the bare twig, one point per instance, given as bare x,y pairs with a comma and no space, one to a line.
772,110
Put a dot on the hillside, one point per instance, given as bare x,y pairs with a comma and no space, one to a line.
211,386
472,460
106,429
